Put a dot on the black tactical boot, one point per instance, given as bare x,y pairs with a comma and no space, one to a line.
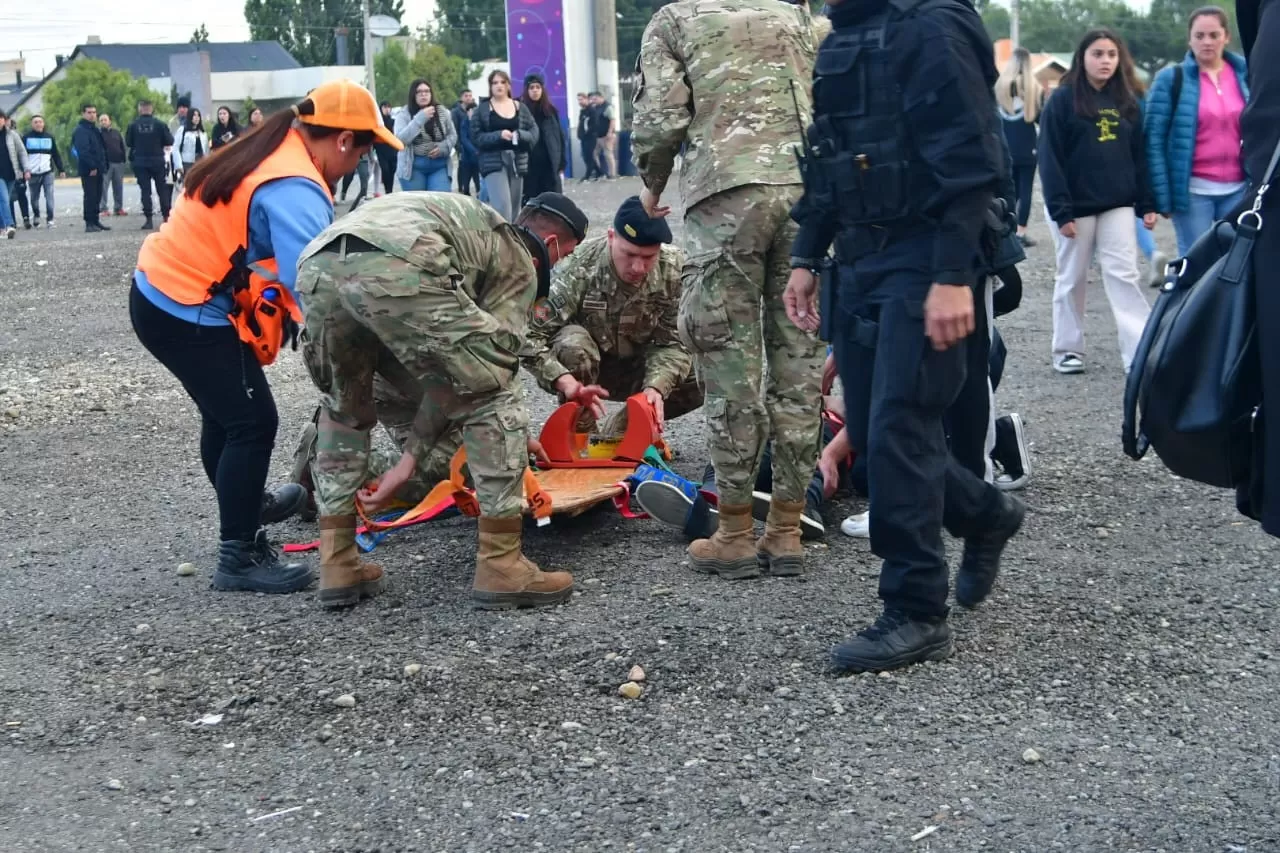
894,641
282,503
255,567
147,224
981,561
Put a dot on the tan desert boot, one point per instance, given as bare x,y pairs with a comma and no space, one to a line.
344,579
731,550
505,578
779,550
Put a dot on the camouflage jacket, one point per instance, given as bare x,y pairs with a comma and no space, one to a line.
626,321
726,78
460,245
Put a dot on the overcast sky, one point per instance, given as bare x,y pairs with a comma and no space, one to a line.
57,26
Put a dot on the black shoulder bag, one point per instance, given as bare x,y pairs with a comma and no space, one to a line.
1197,376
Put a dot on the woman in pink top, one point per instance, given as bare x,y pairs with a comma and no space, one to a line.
1193,130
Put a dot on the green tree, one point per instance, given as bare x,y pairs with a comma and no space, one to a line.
996,20
246,110
306,27
201,35
391,73
472,29
394,71
92,81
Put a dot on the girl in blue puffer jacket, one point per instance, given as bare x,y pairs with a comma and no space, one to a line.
1193,130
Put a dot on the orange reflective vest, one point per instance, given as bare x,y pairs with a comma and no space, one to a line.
201,252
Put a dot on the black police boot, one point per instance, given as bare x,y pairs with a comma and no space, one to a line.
895,640
283,502
255,567
981,561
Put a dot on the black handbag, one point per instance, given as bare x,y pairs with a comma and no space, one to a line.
1196,378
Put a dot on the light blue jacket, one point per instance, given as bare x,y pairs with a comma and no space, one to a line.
1171,137
407,127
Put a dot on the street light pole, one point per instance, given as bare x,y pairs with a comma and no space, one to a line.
368,49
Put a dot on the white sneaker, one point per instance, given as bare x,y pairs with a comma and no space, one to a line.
1159,260
9,232
49,224
857,526
1069,363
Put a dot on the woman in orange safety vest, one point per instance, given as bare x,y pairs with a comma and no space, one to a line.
213,299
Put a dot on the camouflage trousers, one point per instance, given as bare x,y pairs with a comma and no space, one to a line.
733,320
574,347
369,314
395,413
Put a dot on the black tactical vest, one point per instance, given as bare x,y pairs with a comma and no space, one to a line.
862,163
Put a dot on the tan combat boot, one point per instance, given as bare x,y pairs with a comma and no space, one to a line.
779,550
344,579
731,550
505,578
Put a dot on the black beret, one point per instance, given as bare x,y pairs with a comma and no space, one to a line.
562,208
635,226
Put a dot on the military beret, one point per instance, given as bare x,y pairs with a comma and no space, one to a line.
562,208
636,226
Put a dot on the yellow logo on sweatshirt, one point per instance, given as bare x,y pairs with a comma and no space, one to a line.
1108,121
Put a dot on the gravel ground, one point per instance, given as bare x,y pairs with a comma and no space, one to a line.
1117,692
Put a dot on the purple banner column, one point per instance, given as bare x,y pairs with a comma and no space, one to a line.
535,45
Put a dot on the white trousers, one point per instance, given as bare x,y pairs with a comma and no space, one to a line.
1112,237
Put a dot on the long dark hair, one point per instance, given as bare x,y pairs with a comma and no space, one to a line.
1124,87
414,109
232,124
191,120
541,108
216,178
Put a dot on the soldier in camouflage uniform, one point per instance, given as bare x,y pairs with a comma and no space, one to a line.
395,413
610,321
726,78
432,292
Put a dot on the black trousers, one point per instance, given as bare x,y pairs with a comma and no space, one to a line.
387,170
468,176
1024,179
970,415
148,174
18,200
1266,270
897,392
238,414
92,185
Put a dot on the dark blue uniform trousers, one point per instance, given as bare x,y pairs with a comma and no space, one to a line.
897,392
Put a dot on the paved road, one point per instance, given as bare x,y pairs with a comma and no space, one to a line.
1131,643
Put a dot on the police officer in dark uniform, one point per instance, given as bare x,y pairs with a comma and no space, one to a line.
901,164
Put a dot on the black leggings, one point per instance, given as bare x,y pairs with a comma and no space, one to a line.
1024,178
239,420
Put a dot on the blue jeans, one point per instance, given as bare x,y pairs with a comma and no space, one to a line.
1146,240
1200,215
430,174
6,214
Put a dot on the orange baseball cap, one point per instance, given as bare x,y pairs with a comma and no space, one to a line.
347,105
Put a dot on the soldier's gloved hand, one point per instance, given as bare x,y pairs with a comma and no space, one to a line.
382,492
801,300
652,204
538,452
588,396
948,314
654,396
